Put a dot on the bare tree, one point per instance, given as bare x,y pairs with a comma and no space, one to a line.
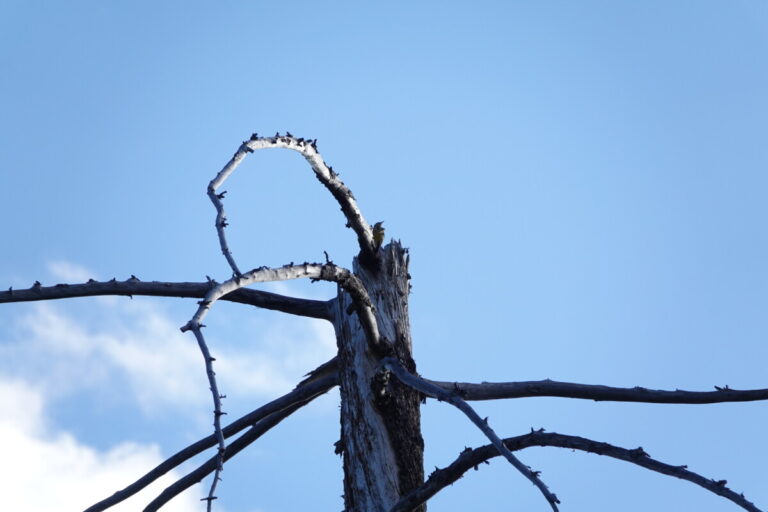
381,390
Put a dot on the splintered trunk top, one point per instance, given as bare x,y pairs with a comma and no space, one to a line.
380,418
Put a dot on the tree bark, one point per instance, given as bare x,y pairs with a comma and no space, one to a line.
380,420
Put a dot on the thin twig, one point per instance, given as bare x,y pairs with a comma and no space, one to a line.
472,458
497,390
307,390
217,414
429,389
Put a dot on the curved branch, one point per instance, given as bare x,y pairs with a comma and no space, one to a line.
323,172
428,389
471,458
315,271
307,390
598,393
130,287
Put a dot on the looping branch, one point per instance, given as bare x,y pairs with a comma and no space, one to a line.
323,172
471,458
433,391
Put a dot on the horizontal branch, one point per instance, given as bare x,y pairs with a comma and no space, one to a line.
471,458
130,287
307,390
498,390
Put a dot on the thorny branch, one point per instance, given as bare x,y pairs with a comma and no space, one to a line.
314,271
429,389
133,286
598,393
233,449
471,458
305,391
324,173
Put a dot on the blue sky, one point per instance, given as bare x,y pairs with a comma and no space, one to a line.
582,186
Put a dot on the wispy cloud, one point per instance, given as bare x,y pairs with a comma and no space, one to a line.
141,347
69,272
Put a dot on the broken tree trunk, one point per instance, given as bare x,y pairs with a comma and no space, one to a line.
380,419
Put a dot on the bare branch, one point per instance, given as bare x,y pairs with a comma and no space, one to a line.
315,271
497,390
429,389
307,390
131,287
323,172
233,449
217,413
470,458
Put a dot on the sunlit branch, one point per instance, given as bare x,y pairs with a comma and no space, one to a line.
452,398
305,391
133,286
324,173
471,458
314,271
551,388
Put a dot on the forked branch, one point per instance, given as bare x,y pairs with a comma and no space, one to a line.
472,458
433,391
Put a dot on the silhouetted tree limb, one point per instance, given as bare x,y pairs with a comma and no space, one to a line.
233,448
472,458
598,393
130,287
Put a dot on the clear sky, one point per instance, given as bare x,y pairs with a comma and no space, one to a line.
582,186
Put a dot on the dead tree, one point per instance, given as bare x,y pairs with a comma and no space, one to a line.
381,390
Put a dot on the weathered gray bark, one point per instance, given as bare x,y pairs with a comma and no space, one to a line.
380,421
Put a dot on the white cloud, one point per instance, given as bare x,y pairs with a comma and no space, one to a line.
46,470
69,272
138,345
130,350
